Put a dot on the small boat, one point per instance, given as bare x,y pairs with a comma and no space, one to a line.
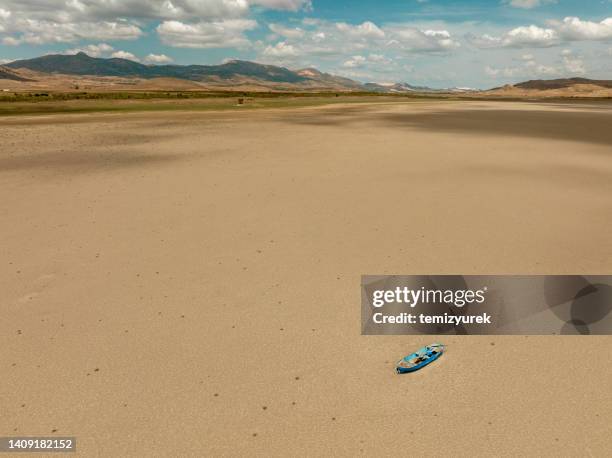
419,358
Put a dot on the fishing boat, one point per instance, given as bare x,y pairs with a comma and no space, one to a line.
420,358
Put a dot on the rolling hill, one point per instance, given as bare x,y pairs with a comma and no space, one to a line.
82,72
9,74
544,85
81,64
560,88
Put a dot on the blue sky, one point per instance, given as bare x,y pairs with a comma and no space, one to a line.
440,43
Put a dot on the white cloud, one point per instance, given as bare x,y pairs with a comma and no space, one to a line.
530,69
568,65
37,32
546,70
100,10
280,50
158,59
354,62
355,50
286,31
414,39
39,22
575,29
521,37
125,55
532,36
359,61
528,4
379,59
345,40
574,65
492,72
570,29
218,34
288,5
99,50
365,30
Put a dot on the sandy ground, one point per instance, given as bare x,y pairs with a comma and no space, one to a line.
187,284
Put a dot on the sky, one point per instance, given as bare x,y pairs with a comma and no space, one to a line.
437,43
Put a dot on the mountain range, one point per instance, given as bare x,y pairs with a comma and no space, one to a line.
233,73
74,71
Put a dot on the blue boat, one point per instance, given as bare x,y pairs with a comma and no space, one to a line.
420,358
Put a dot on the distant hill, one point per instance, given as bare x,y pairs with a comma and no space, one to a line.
405,88
9,74
83,72
82,64
562,88
544,85
316,75
396,87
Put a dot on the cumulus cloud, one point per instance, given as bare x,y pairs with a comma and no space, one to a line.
289,32
37,32
217,34
574,65
528,4
411,38
99,50
288,5
568,65
344,41
125,55
158,59
521,37
365,30
532,36
355,50
280,50
56,21
575,29
359,61
531,69
195,10
355,61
